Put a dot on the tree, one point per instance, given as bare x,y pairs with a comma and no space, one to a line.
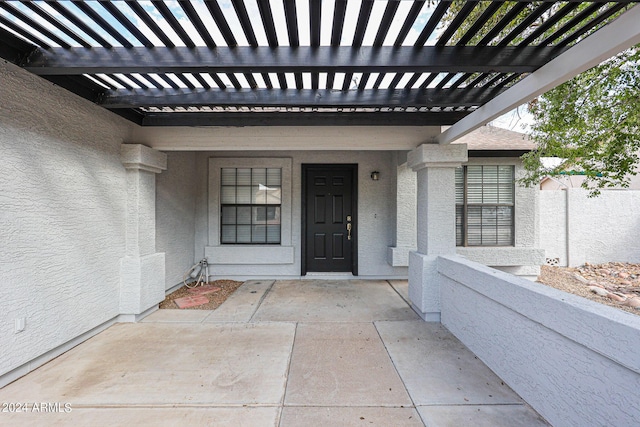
591,121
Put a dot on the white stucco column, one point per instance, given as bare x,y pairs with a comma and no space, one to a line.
405,230
435,165
142,271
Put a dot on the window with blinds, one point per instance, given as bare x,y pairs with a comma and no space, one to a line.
485,205
250,205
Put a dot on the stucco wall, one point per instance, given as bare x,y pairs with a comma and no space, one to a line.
376,211
175,215
600,229
553,226
406,238
62,215
574,361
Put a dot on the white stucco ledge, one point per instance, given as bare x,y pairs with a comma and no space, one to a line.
138,156
606,330
575,361
249,255
437,156
398,256
503,256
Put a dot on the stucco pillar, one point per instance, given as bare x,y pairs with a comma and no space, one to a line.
142,269
436,222
405,230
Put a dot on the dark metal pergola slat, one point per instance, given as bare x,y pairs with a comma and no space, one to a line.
62,27
80,24
128,98
592,24
549,23
502,24
479,23
11,39
173,23
102,23
193,16
529,20
571,24
300,118
284,59
142,14
35,25
439,72
456,22
125,22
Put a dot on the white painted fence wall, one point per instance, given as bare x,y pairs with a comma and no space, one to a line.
575,228
574,361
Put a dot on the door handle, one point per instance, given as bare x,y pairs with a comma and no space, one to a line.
348,231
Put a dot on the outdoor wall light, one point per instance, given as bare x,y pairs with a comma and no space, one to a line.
375,175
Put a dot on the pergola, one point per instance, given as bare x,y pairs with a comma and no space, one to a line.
299,62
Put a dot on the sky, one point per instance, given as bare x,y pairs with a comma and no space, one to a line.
518,120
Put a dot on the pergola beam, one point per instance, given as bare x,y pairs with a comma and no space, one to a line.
301,119
137,98
383,59
610,40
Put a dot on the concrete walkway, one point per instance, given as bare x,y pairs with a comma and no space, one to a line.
289,353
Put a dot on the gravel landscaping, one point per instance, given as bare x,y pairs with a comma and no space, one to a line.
615,284
216,293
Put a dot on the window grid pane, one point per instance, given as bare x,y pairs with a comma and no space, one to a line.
484,205
250,205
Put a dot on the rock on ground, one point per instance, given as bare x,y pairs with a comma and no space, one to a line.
615,284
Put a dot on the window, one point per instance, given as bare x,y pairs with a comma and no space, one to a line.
484,206
250,205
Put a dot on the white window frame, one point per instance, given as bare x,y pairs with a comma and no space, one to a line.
217,253
465,205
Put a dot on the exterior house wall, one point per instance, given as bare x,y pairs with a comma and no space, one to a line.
175,215
576,228
63,207
573,360
375,222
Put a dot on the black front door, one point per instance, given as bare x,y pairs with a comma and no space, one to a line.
329,220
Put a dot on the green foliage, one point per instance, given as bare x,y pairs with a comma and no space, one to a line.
493,20
591,121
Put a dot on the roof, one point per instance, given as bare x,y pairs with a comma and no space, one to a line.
496,139
293,62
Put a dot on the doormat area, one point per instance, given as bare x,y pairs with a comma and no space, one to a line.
209,294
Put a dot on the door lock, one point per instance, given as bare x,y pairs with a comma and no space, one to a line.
348,227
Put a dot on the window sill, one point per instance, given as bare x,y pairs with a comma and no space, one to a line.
249,254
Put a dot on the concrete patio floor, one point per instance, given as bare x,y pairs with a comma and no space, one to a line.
284,353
